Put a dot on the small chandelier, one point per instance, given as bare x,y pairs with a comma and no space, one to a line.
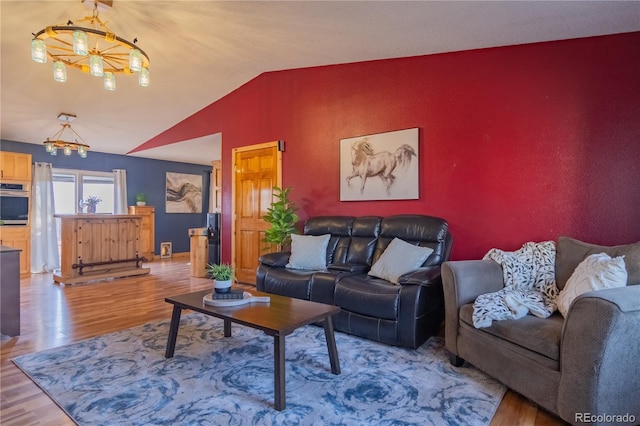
94,50
55,142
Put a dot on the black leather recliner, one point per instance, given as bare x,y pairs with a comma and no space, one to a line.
401,315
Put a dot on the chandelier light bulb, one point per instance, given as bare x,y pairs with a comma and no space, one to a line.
80,43
59,71
48,146
82,151
109,81
67,150
143,77
135,60
38,51
95,63
54,151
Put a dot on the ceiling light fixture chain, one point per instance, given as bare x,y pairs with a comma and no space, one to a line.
71,46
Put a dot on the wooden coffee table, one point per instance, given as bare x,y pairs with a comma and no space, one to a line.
278,318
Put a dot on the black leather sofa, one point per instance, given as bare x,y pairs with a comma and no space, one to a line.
401,315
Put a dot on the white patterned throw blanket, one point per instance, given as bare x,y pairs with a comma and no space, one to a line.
530,285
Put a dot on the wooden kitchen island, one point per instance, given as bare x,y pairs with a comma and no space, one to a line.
99,246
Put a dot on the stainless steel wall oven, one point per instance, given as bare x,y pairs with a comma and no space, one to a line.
14,204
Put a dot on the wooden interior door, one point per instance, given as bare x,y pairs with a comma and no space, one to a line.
256,170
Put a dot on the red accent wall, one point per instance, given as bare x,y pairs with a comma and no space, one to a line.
517,144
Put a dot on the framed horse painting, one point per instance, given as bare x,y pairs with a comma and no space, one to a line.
382,166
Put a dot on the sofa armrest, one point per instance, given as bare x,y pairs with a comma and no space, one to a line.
354,268
600,354
422,276
463,281
278,259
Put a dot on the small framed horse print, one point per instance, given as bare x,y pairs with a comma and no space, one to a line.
382,166
165,250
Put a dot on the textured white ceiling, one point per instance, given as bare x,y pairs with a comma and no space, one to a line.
202,50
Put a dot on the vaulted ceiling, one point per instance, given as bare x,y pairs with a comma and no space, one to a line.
203,50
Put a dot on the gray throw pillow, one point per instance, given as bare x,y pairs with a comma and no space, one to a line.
570,253
308,252
399,258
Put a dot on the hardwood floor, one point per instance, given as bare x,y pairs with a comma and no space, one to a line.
54,316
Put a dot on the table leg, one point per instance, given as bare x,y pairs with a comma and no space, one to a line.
331,345
279,373
173,331
227,328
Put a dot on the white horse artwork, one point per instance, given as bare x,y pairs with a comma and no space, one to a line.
383,165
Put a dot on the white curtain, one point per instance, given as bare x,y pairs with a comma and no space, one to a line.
120,191
44,238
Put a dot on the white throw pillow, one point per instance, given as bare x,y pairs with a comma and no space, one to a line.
596,272
399,258
308,251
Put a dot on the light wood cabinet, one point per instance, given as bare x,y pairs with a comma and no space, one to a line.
215,200
18,237
99,246
15,166
147,229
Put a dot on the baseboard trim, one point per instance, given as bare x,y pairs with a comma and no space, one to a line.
183,255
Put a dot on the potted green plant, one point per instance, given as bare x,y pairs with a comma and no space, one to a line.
141,199
283,219
90,203
222,274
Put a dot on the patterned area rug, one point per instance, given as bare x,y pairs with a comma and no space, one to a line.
124,379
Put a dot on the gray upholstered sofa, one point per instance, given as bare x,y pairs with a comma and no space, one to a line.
585,368
403,314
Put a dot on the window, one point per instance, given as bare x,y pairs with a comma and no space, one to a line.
101,187
72,186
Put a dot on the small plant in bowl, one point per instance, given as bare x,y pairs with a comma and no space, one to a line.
222,274
141,199
90,203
